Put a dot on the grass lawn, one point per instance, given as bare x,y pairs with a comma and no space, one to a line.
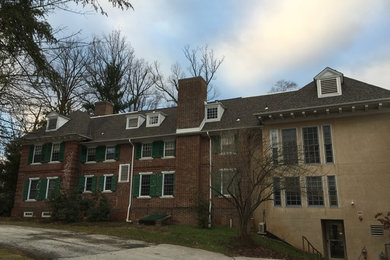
7,254
217,239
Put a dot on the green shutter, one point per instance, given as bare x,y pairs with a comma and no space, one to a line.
113,183
42,185
26,185
159,178
138,148
94,179
83,154
153,184
100,153
81,183
217,144
158,149
31,154
217,183
46,153
62,151
101,183
117,151
57,186
136,186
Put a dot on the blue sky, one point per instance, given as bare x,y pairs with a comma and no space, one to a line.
262,41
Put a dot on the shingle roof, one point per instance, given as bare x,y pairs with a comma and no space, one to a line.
239,112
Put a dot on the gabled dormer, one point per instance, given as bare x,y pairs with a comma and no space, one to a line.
154,119
134,121
214,111
329,82
55,121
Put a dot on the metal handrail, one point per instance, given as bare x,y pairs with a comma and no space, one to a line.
310,248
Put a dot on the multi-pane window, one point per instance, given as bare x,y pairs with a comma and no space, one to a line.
153,119
274,146
293,191
91,154
132,122
168,184
51,187
147,150
55,152
328,148
315,193
228,144
310,144
212,112
110,153
332,191
107,182
37,154
88,183
33,189
228,184
289,143
277,192
169,148
124,172
52,124
145,185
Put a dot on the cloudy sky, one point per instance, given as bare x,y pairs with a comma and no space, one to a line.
261,41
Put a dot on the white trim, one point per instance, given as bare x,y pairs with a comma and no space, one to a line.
272,144
220,111
221,171
306,192
28,214
51,152
85,183
120,172
338,85
192,129
86,158
105,154
318,143
104,182
296,140
323,144
160,119
47,185
142,152
140,121
140,186
162,184
46,214
33,159
170,156
29,188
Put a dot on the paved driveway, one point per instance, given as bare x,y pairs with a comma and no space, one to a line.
42,243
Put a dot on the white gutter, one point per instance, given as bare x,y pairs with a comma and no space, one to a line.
210,184
131,183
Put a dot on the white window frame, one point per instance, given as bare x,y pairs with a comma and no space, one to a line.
226,137
86,158
104,183
303,145
48,122
174,144
105,155
47,185
120,172
28,214
160,119
307,192
140,185
51,152
163,180
274,145
29,188
338,85
337,192
323,144
220,111
140,121
142,151
221,172
33,159
46,214
296,140
85,183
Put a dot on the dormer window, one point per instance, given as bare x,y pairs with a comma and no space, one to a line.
329,83
154,119
55,121
134,122
214,112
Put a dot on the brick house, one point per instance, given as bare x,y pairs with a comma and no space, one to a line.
161,161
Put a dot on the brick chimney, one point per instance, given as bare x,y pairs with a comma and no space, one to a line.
191,97
103,108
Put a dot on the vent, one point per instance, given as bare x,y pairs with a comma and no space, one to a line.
328,86
46,214
28,214
377,230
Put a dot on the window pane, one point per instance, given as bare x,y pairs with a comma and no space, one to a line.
212,112
293,191
124,173
168,184
310,144
227,182
51,184
277,192
332,191
315,193
145,185
52,124
108,181
37,153
110,153
228,144
169,148
132,122
328,147
33,189
274,146
290,149
146,150
91,154
55,152
88,184
153,119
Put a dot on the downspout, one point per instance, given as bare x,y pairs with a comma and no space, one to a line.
131,182
210,184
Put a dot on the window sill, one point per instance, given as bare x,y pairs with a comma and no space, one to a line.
293,206
36,163
109,161
316,206
30,200
90,162
144,197
123,181
107,191
145,158
168,157
54,162
167,197
87,191
228,153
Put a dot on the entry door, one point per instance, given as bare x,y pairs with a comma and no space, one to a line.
335,240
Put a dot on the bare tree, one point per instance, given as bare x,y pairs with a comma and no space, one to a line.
201,62
249,173
283,86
